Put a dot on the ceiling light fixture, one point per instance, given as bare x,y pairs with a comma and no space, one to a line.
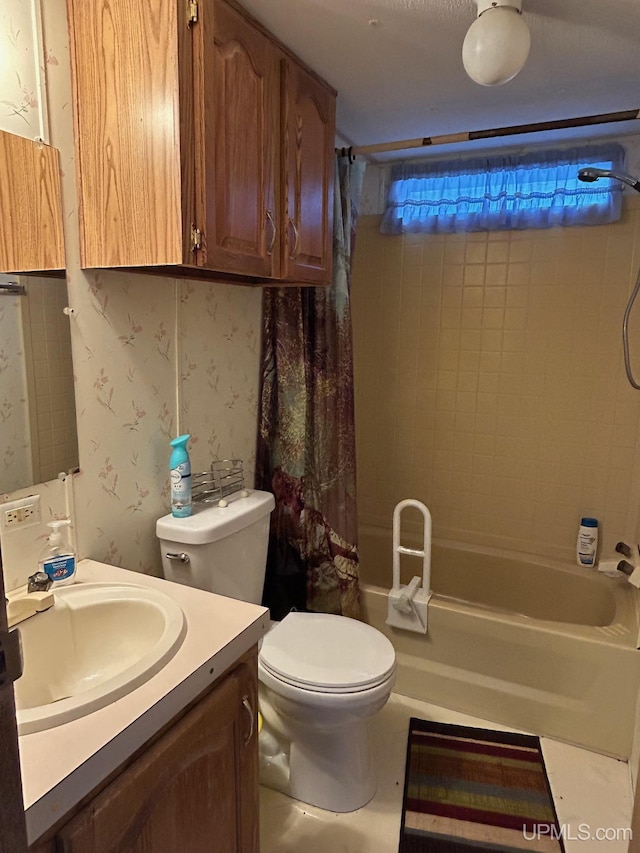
497,43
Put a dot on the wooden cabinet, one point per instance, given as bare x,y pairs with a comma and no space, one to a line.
238,161
31,237
308,168
195,788
204,146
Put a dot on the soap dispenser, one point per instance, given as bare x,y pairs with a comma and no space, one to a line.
58,560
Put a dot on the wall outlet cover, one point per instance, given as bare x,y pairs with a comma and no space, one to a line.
21,513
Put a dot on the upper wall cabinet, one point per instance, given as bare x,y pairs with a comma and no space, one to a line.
204,147
309,122
238,76
31,238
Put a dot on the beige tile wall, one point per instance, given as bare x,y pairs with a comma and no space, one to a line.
490,382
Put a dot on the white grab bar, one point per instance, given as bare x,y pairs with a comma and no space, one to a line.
407,605
398,549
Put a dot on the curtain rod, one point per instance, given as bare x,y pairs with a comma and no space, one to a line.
470,135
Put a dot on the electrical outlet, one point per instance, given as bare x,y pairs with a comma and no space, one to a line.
24,512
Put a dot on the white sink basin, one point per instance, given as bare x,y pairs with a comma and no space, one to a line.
96,644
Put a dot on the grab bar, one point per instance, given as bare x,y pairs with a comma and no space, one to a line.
407,605
399,549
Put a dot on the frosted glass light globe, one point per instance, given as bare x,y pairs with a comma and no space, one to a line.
496,46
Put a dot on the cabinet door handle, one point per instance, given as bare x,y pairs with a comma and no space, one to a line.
252,718
296,236
269,216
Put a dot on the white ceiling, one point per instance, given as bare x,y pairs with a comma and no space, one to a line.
402,76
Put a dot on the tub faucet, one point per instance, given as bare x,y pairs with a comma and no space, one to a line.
624,549
630,569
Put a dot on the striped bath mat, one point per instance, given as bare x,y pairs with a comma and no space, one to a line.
468,790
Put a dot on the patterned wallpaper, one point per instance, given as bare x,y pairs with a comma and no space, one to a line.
22,103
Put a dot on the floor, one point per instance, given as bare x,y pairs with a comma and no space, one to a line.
592,795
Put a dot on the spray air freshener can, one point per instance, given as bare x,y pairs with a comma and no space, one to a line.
180,466
587,542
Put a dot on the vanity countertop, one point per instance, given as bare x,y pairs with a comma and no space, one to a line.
62,765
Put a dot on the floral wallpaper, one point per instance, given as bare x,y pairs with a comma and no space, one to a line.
220,348
124,359
21,66
153,357
128,394
15,448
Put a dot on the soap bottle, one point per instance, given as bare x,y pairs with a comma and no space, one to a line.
58,560
587,544
180,466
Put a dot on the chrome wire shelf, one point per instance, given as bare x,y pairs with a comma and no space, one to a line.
225,477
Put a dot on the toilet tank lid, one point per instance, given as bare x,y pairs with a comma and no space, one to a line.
210,523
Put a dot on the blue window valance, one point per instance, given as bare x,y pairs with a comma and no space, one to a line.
537,190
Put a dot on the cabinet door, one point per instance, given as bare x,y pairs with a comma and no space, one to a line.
131,74
309,131
249,791
30,206
181,794
237,145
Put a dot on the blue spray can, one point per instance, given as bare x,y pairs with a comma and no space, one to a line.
180,466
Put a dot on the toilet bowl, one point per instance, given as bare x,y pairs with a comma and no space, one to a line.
321,676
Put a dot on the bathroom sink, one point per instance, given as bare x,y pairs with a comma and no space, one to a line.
96,644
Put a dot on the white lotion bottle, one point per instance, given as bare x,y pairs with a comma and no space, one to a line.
587,544
58,560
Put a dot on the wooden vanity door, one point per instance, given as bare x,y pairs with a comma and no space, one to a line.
180,794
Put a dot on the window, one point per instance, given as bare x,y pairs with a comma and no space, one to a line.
536,190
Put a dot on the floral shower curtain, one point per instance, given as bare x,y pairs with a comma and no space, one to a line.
306,435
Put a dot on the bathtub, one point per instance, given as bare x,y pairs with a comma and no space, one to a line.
545,647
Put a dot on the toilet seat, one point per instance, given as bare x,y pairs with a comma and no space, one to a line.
327,653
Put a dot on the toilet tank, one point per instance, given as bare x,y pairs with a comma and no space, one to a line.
219,549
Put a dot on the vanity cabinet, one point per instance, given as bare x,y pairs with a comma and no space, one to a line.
31,237
205,148
195,788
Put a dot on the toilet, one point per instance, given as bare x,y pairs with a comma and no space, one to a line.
321,676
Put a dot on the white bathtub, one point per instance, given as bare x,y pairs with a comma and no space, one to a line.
549,648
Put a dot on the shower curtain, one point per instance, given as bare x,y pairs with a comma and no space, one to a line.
306,434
